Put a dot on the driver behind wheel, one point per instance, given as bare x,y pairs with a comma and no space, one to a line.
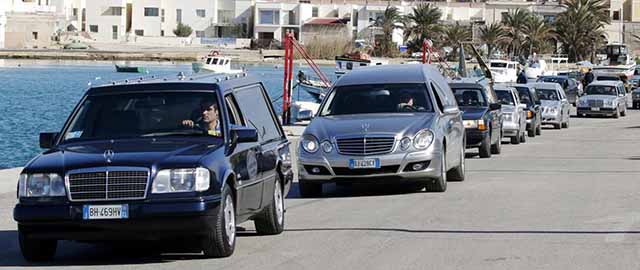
205,118
407,104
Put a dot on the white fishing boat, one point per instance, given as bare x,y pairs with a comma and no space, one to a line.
503,70
618,60
216,63
536,68
348,62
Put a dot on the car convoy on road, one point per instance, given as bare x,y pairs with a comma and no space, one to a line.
189,158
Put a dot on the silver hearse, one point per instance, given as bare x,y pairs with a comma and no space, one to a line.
607,98
392,122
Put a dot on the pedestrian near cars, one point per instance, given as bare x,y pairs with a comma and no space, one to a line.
588,78
522,77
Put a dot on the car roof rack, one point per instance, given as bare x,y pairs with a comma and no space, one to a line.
180,77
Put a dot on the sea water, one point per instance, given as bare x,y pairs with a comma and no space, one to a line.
38,96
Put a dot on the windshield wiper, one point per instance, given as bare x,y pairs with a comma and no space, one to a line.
187,132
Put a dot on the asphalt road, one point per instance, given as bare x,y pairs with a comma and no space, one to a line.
565,200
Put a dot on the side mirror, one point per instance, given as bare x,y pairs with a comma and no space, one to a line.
495,106
451,110
305,115
47,139
241,134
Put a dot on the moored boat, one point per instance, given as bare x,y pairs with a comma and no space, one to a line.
216,63
130,69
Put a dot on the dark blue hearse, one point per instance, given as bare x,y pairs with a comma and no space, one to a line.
183,158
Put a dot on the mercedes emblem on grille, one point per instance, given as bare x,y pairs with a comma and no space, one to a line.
108,155
365,127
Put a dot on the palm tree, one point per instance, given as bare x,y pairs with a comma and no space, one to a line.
581,26
426,19
538,34
515,25
388,23
493,36
454,35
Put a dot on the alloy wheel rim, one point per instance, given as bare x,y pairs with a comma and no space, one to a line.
230,219
279,201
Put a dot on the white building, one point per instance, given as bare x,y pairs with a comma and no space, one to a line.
3,23
27,23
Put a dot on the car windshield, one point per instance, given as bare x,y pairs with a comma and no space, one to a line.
524,95
609,78
145,115
378,98
469,97
601,90
553,80
498,65
547,94
505,97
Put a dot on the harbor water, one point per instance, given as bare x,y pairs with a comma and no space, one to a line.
37,96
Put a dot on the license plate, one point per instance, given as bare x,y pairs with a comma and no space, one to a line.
372,163
595,109
120,211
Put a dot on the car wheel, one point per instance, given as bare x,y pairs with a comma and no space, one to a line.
531,132
271,220
485,148
624,113
309,189
557,126
617,114
539,130
36,250
515,139
221,240
439,184
457,173
497,148
523,137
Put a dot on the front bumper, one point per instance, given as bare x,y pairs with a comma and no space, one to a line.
147,220
602,111
476,137
551,118
510,129
396,166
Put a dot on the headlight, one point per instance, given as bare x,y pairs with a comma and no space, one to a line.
507,117
479,124
609,103
181,180
529,114
41,185
326,146
405,143
309,143
583,102
423,139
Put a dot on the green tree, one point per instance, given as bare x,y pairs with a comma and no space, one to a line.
538,35
493,36
515,22
580,27
454,35
388,23
425,24
182,30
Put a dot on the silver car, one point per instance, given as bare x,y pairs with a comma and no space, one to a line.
391,122
514,115
607,98
555,106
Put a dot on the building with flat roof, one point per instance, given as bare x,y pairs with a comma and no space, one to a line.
27,23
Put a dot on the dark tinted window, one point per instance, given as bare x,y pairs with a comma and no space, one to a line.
558,80
505,97
547,94
148,114
525,96
377,98
436,92
609,78
469,97
254,108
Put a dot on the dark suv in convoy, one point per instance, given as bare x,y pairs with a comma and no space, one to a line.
183,158
482,115
529,97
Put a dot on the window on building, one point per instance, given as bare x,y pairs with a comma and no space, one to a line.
75,12
162,15
113,11
162,33
314,12
178,15
201,13
35,35
269,17
114,32
93,28
139,32
199,34
616,15
225,16
151,12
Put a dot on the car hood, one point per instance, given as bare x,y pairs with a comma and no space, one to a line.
472,113
146,153
346,125
599,97
550,103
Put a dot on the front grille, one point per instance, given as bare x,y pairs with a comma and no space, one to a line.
108,185
383,170
365,145
596,103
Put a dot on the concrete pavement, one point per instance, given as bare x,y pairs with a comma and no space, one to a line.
565,200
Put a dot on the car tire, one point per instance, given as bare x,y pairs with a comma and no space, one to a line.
221,240
309,189
557,126
523,138
458,173
271,221
531,132
496,149
624,113
539,130
564,125
485,148
515,139
617,114
439,184
36,250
